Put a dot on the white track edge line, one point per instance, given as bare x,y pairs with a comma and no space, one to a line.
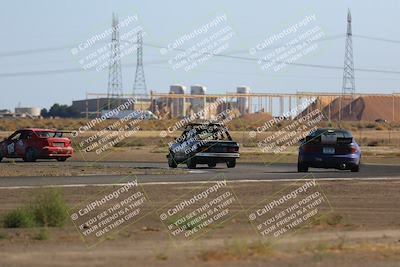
201,182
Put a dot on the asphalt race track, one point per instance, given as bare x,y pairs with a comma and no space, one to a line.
251,172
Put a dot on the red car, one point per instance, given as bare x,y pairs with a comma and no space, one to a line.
32,144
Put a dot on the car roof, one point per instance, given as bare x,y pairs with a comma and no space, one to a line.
205,123
37,130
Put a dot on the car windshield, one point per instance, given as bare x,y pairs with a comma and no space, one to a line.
48,134
212,132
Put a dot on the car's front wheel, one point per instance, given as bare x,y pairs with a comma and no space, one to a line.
231,163
61,159
171,161
191,163
30,155
301,167
212,164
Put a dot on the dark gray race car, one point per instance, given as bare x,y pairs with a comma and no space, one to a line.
204,144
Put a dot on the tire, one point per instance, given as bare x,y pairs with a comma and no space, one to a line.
1,158
171,161
61,159
231,163
302,167
191,163
30,155
212,164
355,168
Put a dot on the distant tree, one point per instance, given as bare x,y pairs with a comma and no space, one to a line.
44,113
62,111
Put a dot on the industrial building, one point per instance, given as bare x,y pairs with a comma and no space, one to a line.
93,107
21,112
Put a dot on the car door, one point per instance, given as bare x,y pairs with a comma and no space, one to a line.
10,144
180,146
22,143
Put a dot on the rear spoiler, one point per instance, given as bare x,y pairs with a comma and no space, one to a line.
339,140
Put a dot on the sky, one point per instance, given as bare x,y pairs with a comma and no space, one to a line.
43,25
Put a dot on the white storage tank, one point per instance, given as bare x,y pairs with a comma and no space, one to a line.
29,111
198,104
243,102
177,106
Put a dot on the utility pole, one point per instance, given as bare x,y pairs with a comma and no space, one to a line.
139,86
115,67
349,87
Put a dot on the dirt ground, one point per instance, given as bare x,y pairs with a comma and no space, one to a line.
363,230
78,169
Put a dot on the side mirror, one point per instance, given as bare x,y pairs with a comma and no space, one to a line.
301,141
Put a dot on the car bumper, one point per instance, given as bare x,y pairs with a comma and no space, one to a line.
219,155
330,161
204,157
57,152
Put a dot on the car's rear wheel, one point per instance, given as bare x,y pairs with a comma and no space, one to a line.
212,164
191,163
355,168
1,158
61,159
171,161
301,167
30,155
231,163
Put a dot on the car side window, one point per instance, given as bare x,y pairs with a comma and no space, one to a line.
16,136
184,136
24,135
224,136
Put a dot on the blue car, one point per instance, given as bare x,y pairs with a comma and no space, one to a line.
329,148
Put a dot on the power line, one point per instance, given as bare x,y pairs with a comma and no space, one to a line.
64,71
249,59
35,51
75,70
64,47
376,39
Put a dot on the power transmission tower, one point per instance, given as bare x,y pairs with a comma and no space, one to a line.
139,86
115,67
349,86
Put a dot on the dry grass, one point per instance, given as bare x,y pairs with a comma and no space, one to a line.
22,169
238,124
238,250
382,249
327,220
